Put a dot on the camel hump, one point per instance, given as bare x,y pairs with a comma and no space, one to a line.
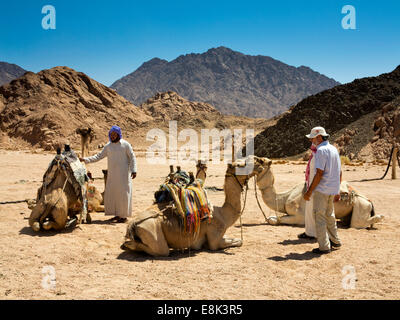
344,187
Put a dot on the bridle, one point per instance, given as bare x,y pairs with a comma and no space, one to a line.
264,172
237,180
245,184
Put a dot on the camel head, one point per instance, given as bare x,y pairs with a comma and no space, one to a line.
201,170
86,133
265,177
244,169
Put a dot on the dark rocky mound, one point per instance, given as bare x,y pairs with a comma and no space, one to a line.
334,109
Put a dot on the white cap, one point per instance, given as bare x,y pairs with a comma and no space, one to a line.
317,131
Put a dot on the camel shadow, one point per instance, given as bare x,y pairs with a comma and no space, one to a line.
103,222
174,254
308,255
252,224
42,233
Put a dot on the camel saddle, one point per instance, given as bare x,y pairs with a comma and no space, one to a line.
75,172
347,194
188,197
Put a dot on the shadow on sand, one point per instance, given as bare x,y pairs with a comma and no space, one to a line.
173,255
308,255
296,241
253,224
42,233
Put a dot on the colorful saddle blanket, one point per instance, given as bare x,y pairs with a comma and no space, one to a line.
189,199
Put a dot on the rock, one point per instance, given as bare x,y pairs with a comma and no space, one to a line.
380,122
374,139
306,156
163,108
347,139
53,103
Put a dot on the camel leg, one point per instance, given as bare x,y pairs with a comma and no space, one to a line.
216,239
99,208
230,242
361,216
60,211
292,220
223,243
37,211
60,219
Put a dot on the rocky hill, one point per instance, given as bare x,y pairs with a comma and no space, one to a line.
347,112
235,83
43,111
46,108
166,106
169,105
9,72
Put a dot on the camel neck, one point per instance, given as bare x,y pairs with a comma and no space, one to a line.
274,200
233,193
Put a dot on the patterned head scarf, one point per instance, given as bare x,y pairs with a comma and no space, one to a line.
314,150
115,129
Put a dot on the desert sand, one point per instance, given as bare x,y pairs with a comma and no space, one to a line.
271,264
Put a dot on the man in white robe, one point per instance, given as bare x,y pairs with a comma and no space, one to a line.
309,221
121,162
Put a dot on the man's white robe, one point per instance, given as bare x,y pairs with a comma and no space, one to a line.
309,218
121,162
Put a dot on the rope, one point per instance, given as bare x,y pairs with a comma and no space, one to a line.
387,169
244,206
245,198
12,202
258,202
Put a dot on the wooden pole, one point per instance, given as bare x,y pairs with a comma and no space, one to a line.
394,164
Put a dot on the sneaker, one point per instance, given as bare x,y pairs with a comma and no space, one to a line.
318,251
305,236
335,245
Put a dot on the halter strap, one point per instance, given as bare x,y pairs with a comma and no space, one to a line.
236,178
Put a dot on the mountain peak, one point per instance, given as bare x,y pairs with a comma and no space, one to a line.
153,62
221,49
235,83
9,72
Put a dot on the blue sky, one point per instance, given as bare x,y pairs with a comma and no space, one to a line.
109,39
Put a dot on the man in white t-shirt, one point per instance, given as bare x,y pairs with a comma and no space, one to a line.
324,187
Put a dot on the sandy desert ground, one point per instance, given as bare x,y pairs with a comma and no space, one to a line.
271,264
